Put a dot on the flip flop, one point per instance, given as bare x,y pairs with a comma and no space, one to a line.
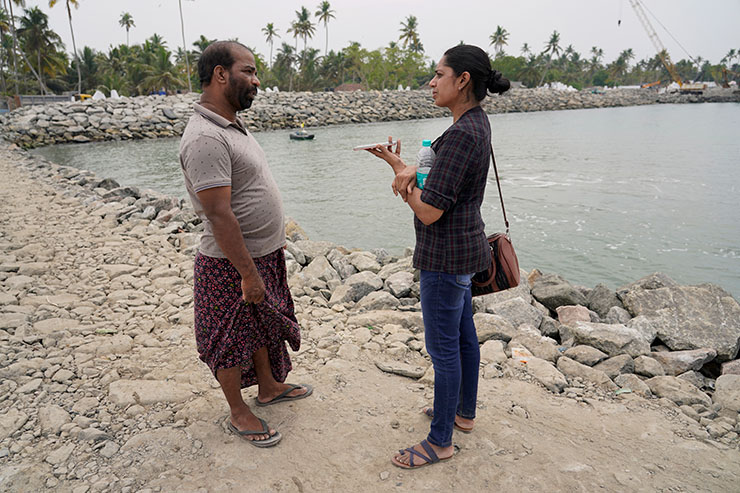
432,458
270,442
285,397
429,412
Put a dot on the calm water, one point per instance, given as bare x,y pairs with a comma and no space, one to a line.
605,195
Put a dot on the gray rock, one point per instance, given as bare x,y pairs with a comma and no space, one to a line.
356,287
11,421
612,339
51,325
601,299
378,300
545,373
378,318
341,264
60,455
549,327
403,265
727,392
298,255
553,291
364,261
689,317
644,326
312,249
491,326
539,346
320,268
618,315
124,393
572,369
92,435
7,299
486,302
679,391
492,351
403,369
52,418
518,312
632,382
585,355
616,365
399,284
648,367
695,378
677,362
62,376
571,314
19,282
109,449
731,367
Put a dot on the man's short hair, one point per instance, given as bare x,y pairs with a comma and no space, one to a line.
217,53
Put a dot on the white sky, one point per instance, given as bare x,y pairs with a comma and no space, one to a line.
706,28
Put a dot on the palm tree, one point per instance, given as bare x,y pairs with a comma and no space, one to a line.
161,73
76,3
270,34
324,13
552,48
306,29
4,26
200,44
499,39
409,31
40,39
128,22
184,47
20,3
526,50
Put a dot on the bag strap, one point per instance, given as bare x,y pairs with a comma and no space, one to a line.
500,195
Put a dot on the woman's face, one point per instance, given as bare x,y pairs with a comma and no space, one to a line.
445,85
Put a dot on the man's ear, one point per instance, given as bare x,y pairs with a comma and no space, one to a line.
219,74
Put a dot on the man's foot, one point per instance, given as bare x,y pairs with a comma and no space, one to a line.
246,420
282,392
462,424
422,454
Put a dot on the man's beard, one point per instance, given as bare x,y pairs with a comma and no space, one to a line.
241,98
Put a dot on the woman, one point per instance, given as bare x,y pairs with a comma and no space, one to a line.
450,243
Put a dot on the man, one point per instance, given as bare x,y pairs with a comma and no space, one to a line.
243,308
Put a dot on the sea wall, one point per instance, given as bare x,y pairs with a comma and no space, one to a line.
166,116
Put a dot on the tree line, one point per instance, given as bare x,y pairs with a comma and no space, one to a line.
35,61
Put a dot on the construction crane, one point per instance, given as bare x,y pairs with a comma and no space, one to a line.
662,52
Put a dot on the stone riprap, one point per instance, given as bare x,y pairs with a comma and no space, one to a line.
166,116
100,386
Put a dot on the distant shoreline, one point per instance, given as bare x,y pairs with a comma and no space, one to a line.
148,117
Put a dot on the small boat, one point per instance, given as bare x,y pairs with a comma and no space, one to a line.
301,135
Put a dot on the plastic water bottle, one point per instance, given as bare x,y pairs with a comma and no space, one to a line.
424,162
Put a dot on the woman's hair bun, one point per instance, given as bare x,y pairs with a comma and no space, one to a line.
497,83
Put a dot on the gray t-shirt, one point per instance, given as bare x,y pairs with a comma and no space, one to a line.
215,152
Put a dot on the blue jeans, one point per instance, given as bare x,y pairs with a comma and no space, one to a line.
452,343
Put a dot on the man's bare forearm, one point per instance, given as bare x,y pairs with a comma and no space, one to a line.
229,238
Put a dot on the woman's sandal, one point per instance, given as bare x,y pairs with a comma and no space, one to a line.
431,458
429,412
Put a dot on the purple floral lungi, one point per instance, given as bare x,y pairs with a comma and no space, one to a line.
228,331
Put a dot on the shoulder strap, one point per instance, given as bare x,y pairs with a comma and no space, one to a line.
500,195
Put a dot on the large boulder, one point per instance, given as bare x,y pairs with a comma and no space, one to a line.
617,365
687,317
320,268
677,390
677,362
727,392
572,369
601,299
399,284
518,312
486,302
541,347
612,339
585,355
545,373
490,326
553,291
356,287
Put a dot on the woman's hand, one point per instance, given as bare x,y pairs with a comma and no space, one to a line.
391,157
405,182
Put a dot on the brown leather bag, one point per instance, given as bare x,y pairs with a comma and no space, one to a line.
503,273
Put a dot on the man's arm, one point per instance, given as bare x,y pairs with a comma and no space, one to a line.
216,204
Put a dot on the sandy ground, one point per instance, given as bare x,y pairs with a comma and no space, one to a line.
342,437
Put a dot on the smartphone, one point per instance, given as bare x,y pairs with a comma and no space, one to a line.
371,146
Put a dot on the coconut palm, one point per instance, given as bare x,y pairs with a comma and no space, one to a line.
200,45
161,74
306,29
270,34
76,4
499,39
324,13
526,50
4,26
20,3
552,48
126,21
39,39
409,31
184,47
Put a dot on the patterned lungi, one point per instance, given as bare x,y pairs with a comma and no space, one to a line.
228,331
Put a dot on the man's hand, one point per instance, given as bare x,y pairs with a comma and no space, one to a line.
253,289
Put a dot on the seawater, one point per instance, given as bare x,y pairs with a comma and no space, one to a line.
597,196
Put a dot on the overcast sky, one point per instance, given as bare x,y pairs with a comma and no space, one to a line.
707,28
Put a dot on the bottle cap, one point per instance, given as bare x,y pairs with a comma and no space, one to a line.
426,143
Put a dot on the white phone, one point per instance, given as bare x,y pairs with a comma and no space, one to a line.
372,146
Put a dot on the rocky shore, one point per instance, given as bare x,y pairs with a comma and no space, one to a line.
101,390
166,116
